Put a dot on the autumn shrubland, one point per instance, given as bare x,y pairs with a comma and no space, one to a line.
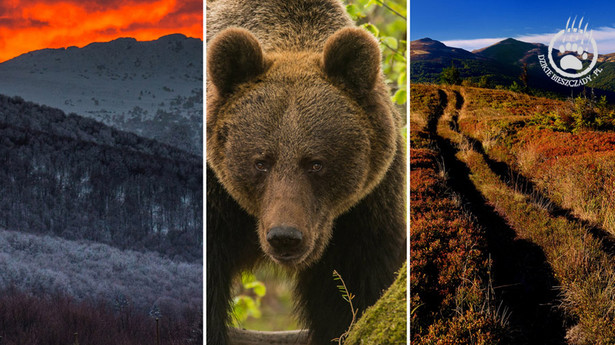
56,319
552,186
449,266
574,167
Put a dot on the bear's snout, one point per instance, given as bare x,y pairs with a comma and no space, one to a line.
285,240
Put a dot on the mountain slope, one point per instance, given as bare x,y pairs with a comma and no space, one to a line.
153,89
79,179
428,49
511,51
501,64
429,57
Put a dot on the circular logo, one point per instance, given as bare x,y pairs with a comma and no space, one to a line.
574,44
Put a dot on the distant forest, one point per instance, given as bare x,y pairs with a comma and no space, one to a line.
76,178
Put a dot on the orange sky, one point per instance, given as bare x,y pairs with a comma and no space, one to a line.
27,25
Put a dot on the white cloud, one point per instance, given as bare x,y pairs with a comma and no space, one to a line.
537,38
605,39
604,36
473,43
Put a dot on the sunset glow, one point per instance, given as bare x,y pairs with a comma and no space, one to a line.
27,25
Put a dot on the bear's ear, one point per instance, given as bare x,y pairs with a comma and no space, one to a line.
352,56
234,56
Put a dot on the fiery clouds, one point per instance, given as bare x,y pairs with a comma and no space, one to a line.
27,25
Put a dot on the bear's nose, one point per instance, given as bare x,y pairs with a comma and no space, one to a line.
284,237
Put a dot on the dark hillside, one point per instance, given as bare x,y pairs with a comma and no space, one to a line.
79,179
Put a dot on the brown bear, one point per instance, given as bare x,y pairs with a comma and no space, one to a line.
305,159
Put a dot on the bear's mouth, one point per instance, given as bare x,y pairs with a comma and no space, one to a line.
288,258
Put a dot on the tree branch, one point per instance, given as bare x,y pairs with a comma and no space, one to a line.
390,9
248,337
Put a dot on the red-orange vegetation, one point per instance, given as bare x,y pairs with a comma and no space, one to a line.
447,262
575,168
505,103
59,319
552,145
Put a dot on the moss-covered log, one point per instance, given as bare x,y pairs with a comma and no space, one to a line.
385,322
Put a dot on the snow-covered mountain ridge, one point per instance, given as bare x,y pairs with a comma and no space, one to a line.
154,88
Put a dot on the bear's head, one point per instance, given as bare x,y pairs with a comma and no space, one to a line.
298,138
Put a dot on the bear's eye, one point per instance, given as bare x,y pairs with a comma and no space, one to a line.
315,166
261,166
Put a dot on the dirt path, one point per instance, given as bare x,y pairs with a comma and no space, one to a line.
522,278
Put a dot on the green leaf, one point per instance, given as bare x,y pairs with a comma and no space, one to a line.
371,28
355,12
400,96
245,306
396,28
247,278
399,68
259,288
390,42
241,306
398,8
401,80
399,58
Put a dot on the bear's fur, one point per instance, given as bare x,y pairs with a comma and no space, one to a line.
303,141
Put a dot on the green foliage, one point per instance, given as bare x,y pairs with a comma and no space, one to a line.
515,87
346,295
604,80
248,303
387,22
582,113
450,75
484,81
355,11
472,70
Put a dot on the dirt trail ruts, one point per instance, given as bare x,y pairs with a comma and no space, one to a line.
433,118
522,278
524,185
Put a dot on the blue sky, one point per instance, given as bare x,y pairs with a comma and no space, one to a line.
476,24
